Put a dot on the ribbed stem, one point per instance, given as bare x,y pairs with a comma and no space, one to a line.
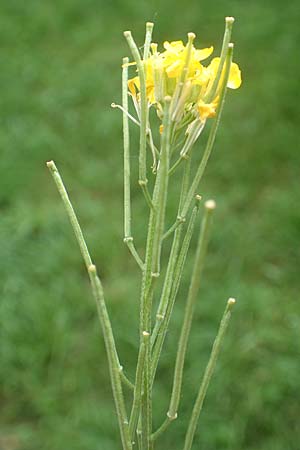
162,307
160,200
143,107
138,386
190,305
160,331
112,358
125,380
128,239
162,428
126,144
207,376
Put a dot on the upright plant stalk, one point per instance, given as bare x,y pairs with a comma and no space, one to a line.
207,375
113,360
185,95
160,201
155,231
169,277
173,275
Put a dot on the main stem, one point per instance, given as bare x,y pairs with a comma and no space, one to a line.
153,246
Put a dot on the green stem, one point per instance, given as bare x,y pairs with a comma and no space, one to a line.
145,325
190,305
129,242
71,213
138,386
143,107
113,360
212,135
207,376
126,144
128,239
149,29
125,380
162,180
145,191
172,258
139,438
173,227
162,428
146,409
160,330
154,228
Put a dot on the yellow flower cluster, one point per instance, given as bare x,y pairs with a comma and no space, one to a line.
180,63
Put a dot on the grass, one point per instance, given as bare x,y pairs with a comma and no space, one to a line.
61,70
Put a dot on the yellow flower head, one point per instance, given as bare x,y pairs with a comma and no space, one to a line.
178,70
175,55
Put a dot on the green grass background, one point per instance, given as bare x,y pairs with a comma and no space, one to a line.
60,71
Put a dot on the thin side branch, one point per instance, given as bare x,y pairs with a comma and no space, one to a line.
207,376
112,356
190,305
212,135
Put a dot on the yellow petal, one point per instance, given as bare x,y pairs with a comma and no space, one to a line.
213,66
235,78
176,46
132,84
203,53
174,69
150,94
206,110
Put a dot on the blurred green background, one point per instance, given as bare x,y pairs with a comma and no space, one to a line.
60,72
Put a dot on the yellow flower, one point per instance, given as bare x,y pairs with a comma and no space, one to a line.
164,71
170,64
134,83
207,110
174,58
235,79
